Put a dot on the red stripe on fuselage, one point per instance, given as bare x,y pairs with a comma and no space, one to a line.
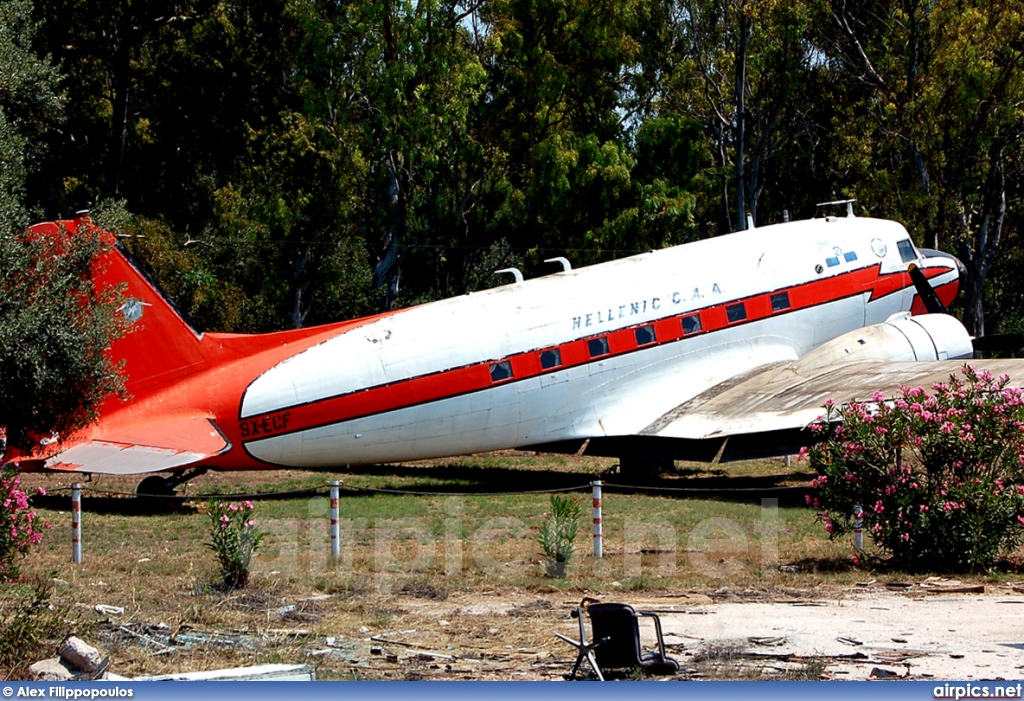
449,383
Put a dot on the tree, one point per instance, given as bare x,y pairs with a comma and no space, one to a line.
743,74
940,117
54,326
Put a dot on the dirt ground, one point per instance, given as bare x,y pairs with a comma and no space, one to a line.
931,630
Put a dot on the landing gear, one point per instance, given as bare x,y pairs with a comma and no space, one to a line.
155,486
158,486
645,465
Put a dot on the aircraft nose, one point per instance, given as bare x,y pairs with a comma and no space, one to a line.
932,258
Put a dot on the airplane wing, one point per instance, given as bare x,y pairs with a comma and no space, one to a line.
787,396
170,443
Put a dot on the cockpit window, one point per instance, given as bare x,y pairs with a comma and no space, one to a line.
907,252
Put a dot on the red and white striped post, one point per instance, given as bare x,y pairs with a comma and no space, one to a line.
76,523
858,528
335,531
598,529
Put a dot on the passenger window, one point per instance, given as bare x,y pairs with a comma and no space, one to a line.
850,256
736,312
645,335
907,252
780,301
691,324
598,346
550,359
501,371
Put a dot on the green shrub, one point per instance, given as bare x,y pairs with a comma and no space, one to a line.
937,473
234,538
558,533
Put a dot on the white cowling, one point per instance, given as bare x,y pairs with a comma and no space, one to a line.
900,337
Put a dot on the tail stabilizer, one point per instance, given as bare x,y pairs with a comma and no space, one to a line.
159,343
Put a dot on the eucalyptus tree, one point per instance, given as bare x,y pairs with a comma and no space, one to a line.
936,131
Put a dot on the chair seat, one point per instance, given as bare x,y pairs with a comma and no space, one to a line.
616,640
654,663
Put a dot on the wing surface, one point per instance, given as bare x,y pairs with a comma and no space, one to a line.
784,396
169,443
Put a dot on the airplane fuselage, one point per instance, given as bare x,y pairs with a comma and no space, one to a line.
583,353
593,352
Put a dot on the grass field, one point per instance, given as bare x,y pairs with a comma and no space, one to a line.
460,551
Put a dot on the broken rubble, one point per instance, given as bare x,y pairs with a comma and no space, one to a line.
83,656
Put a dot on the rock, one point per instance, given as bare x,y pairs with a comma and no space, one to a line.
83,656
52,670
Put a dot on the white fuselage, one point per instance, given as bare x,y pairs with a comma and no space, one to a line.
469,374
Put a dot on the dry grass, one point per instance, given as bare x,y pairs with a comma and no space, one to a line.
457,579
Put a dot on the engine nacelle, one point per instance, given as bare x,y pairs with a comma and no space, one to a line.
900,337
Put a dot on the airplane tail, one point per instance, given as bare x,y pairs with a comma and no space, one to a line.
159,343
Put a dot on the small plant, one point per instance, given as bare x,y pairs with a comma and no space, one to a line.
17,523
234,538
31,624
558,534
936,476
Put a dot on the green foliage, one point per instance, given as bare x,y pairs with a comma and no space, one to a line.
54,327
938,474
306,160
234,537
54,336
557,536
30,625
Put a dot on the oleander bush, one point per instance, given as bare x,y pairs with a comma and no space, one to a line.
19,530
939,473
234,537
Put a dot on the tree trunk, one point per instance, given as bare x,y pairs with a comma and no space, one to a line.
746,30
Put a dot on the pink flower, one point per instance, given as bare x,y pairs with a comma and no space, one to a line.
879,507
247,504
40,491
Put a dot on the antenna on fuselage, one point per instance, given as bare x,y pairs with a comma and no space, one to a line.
836,203
515,272
566,265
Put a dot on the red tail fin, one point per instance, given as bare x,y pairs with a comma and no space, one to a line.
159,342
